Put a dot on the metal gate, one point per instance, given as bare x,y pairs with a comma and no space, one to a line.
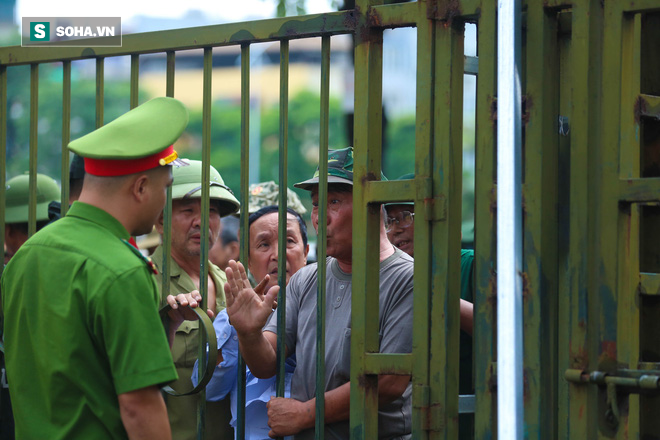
591,193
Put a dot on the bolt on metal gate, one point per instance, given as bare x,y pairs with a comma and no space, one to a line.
591,100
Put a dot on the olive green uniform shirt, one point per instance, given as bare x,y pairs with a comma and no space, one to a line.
182,410
81,326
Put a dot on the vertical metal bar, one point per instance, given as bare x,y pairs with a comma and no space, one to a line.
245,236
99,90
34,125
587,211
3,154
485,420
66,134
627,257
509,224
540,226
366,225
321,245
281,266
205,208
135,80
167,211
446,158
422,287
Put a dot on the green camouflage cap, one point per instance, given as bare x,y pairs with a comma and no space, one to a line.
404,177
340,169
187,183
136,141
266,194
18,195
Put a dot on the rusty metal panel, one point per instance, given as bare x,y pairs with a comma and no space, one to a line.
485,237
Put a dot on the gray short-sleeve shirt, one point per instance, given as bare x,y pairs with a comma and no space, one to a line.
395,334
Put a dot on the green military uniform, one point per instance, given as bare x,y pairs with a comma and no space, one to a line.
182,409
80,328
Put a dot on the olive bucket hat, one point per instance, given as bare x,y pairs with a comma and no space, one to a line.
18,195
187,184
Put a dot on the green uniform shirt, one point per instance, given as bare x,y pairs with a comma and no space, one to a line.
80,327
182,410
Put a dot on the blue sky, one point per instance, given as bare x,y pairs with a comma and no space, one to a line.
223,10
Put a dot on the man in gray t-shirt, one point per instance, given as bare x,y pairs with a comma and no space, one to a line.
249,310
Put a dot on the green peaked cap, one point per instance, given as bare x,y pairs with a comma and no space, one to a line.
141,132
340,169
187,184
18,195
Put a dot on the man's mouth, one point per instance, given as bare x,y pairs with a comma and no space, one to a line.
402,243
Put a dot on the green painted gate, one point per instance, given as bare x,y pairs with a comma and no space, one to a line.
591,199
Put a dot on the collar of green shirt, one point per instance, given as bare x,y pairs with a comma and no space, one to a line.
98,216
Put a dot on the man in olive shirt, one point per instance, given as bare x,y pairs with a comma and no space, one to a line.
86,350
184,274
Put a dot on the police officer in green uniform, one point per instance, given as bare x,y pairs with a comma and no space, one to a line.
17,197
400,231
85,347
185,276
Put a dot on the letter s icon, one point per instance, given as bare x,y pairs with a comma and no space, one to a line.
39,31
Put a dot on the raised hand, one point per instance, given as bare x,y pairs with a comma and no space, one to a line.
248,308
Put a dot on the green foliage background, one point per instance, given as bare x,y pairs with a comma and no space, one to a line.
303,132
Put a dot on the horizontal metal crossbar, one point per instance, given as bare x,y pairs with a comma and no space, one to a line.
190,38
388,363
390,191
639,190
649,105
649,284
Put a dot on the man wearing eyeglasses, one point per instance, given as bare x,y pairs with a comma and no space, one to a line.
400,227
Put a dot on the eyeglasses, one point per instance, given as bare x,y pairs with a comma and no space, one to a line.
403,220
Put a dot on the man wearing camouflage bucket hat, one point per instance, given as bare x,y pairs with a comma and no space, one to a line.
184,277
249,313
267,194
82,334
17,200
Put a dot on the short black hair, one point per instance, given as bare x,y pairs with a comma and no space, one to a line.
274,208
229,232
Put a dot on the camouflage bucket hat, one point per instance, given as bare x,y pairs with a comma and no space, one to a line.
18,195
187,183
404,177
340,169
267,194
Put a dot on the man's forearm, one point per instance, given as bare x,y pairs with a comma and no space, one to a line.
259,353
338,401
144,414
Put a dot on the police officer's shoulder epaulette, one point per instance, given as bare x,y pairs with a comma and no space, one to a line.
150,264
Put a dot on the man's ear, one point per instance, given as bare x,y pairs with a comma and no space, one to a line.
159,223
234,250
140,187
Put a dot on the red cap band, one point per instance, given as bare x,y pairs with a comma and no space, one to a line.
124,167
